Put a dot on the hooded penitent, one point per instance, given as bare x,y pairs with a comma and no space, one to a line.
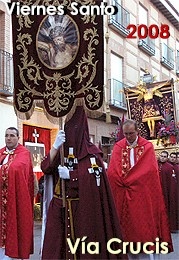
89,213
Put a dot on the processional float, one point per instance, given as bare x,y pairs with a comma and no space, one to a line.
152,105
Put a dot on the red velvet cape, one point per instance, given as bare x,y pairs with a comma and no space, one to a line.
138,195
20,194
170,189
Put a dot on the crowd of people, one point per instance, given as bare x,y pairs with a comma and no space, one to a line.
169,175
93,213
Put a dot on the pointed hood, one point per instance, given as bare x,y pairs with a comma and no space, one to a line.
77,135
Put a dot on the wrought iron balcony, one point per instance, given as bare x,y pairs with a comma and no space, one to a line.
117,96
167,59
120,20
6,73
147,45
177,63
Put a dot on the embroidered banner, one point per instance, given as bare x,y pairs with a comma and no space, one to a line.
58,59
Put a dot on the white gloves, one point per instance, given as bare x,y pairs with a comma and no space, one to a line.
63,172
60,139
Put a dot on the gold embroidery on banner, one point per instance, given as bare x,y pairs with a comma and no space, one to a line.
28,70
58,92
87,66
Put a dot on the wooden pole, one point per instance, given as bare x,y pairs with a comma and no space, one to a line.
61,125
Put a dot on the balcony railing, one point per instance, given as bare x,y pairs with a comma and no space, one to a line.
117,96
6,73
167,59
147,45
177,63
120,20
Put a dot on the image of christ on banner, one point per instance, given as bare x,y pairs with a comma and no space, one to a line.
57,41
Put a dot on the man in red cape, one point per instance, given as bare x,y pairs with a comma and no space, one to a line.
170,189
134,179
174,193
16,198
89,212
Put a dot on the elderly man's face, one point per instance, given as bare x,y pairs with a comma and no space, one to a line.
11,139
130,132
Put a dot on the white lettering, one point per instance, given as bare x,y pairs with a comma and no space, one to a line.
84,10
137,250
111,10
33,8
145,248
164,246
25,10
83,245
60,9
40,8
73,248
51,10
124,247
73,6
18,8
102,9
157,246
10,10
95,250
109,246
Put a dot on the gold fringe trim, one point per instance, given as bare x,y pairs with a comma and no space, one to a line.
25,115
55,120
